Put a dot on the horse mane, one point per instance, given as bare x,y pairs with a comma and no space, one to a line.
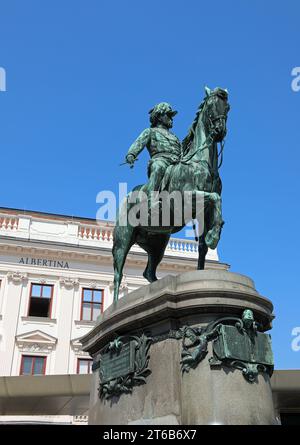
190,136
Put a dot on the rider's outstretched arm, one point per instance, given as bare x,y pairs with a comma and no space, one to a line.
138,145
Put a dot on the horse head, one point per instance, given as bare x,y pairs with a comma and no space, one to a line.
215,108
211,117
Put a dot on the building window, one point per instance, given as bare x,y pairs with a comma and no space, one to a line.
40,300
84,366
92,303
33,365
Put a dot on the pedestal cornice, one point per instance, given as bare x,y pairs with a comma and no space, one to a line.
174,297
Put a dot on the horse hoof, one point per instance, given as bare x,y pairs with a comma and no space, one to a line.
149,278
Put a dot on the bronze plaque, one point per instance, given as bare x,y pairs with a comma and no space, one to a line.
235,345
263,349
117,364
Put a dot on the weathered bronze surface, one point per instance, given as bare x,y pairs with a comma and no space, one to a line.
123,365
191,166
163,146
117,363
237,343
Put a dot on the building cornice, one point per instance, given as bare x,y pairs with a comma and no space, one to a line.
101,254
64,233
7,211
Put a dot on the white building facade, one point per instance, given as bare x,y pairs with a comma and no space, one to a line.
56,277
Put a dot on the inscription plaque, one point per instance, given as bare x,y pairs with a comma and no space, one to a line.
123,364
240,345
114,364
232,344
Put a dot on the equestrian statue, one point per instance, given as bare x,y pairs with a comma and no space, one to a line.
184,185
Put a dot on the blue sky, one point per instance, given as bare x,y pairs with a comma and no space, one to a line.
81,77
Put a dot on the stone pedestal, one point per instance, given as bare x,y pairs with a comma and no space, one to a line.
208,393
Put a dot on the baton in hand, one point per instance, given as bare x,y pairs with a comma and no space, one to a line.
131,165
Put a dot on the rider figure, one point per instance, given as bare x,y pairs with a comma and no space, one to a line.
163,146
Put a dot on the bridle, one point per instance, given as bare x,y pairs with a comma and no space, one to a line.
210,138
212,130
222,118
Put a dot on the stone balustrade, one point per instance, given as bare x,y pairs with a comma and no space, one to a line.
77,233
8,223
105,233
182,245
92,232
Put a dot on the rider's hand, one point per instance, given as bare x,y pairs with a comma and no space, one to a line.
130,159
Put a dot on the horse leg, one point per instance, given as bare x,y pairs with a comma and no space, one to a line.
201,202
202,246
123,240
202,250
155,254
214,233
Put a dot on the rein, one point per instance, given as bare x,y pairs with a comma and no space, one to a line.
209,138
222,144
200,149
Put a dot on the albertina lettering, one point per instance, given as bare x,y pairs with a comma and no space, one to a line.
44,263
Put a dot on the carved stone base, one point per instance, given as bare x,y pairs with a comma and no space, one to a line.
184,350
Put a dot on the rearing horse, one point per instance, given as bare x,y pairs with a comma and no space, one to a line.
197,174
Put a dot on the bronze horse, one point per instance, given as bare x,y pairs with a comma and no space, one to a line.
197,174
